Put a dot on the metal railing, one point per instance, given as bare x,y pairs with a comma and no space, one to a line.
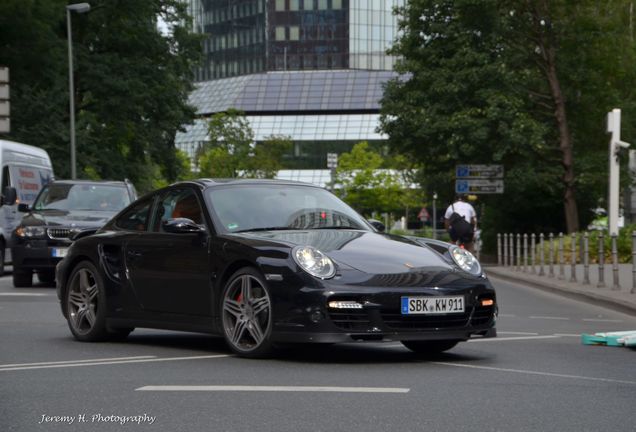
523,253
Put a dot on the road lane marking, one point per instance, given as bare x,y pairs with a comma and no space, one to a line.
241,388
529,372
75,361
505,339
602,320
518,333
550,318
11,294
150,360
567,335
506,315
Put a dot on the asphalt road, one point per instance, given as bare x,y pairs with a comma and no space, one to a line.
536,376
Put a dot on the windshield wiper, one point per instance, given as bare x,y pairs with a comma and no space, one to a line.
264,229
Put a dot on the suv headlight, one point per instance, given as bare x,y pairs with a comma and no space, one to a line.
465,260
31,231
314,262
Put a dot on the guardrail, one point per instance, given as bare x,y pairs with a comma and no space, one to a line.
527,253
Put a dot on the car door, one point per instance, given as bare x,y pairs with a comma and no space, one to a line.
170,272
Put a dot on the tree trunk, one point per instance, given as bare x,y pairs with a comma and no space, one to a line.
565,139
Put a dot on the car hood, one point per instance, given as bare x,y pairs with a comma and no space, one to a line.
68,218
367,251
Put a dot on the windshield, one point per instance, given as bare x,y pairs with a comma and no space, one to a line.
271,207
91,197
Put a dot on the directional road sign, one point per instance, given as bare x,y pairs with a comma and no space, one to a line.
479,171
477,186
332,160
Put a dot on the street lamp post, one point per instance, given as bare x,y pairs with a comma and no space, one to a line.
79,8
434,215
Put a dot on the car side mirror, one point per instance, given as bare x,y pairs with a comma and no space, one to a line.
377,225
181,225
24,208
9,196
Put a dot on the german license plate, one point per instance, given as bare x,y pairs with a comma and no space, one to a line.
59,252
432,305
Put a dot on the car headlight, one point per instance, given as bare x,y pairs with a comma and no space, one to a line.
31,231
314,262
465,260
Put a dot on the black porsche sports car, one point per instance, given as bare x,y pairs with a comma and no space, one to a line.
266,262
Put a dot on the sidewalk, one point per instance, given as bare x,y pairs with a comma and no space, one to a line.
618,299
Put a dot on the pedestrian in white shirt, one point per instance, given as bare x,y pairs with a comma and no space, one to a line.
460,220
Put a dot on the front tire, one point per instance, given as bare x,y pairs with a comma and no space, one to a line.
22,278
246,314
85,303
430,347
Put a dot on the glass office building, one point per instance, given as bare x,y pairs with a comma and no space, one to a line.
312,70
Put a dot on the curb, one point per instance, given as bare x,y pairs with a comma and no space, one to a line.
567,291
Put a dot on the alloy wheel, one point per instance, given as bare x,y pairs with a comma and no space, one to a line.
83,301
246,313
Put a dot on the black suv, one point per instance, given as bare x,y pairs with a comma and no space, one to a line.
62,209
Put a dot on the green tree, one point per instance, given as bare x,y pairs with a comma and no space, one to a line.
267,157
131,82
232,152
525,84
363,183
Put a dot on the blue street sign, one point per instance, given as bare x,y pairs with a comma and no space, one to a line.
461,186
462,171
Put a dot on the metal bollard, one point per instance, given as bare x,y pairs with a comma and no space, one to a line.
511,251
561,258
533,250
541,256
601,261
505,250
518,252
525,253
499,249
616,284
573,258
551,255
586,258
633,290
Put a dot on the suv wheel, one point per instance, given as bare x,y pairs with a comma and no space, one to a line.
22,278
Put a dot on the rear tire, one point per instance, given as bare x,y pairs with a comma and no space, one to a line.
22,278
430,347
2,256
46,276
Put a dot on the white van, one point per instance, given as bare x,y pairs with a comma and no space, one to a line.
25,169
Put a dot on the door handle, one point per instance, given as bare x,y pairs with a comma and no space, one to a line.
134,253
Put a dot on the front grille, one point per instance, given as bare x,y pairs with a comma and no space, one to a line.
60,233
350,320
397,321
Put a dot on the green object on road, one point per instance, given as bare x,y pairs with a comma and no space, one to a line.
620,338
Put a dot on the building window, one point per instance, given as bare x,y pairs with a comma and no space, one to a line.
280,5
336,4
322,4
308,4
294,5
280,33
294,33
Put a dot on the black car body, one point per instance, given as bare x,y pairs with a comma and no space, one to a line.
266,262
62,210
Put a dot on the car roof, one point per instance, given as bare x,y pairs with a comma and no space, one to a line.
90,182
212,182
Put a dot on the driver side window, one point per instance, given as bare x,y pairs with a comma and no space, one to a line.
177,203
